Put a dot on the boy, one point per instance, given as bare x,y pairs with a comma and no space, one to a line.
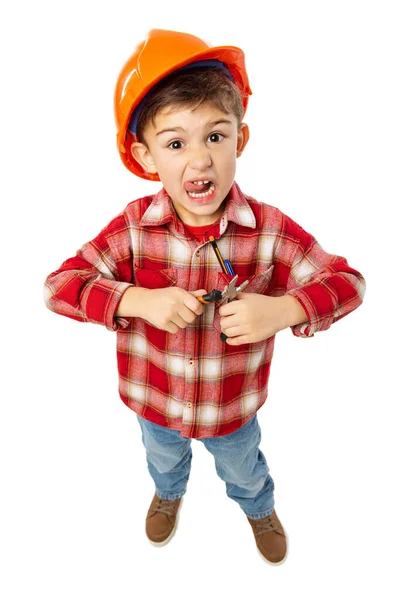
179,107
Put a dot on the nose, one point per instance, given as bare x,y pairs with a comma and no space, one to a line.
200,158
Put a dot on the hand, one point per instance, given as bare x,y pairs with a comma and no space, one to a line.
172,308
253,317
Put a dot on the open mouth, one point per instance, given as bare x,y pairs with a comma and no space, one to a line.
200,189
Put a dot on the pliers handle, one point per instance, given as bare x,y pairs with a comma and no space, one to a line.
214,296
229,291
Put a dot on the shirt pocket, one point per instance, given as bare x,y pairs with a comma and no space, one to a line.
155,278
258,284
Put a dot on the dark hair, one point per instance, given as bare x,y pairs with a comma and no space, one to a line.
191,88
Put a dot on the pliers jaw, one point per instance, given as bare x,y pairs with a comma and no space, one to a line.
229,292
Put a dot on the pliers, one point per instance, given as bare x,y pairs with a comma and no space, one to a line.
229,292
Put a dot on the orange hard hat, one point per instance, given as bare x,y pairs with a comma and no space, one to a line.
161,53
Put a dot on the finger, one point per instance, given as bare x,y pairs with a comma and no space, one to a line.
228,309
232,331
187,315
230,321
238,340
192,303
171,327
179,321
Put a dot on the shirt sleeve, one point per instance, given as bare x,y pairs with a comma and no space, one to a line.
89,286
325,285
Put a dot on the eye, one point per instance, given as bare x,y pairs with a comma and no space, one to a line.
175,145
214,135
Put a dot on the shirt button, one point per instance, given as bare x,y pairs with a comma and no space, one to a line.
189,405
198,253
191,362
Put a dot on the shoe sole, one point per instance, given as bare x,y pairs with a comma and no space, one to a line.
171,535
277,564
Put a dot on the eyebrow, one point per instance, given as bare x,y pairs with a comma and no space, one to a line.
212,123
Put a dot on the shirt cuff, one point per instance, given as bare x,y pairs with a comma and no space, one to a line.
315,322
102,301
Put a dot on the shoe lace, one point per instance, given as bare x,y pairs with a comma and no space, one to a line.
165,506
263,525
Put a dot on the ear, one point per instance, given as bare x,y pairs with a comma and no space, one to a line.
141,153
243,138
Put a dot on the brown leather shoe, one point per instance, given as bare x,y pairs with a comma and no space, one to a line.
270,538
161,520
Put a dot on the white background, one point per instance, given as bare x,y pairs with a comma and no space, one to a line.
324,148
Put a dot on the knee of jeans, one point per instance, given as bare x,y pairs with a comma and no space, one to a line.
166,462
251,488
244,474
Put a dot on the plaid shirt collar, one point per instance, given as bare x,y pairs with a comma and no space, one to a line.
237,209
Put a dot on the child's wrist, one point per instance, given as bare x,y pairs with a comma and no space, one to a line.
293,311
132,302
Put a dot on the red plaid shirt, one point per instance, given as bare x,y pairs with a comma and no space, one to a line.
191,381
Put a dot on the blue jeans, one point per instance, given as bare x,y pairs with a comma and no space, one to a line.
238,461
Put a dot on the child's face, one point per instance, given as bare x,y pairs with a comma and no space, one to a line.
189,145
